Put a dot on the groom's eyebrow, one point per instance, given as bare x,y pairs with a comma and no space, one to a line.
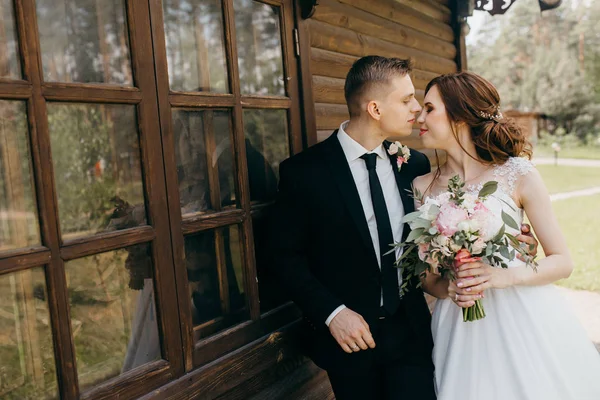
409,96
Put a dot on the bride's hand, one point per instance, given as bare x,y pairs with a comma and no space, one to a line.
476,277
461,297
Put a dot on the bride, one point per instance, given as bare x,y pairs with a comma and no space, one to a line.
530,346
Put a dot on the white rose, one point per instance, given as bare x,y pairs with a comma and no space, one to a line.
469,201
464,226
393,149
478,246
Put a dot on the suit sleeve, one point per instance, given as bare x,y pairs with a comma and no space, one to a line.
289,240
423,166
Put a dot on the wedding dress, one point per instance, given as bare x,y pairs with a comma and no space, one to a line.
530,345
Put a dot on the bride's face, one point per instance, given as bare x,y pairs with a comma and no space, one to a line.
436,129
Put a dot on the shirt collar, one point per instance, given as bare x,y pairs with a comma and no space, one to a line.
352,149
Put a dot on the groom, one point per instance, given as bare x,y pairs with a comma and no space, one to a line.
339,208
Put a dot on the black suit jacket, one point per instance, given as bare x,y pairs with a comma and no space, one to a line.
321,250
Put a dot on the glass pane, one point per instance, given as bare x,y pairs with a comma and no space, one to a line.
84,41
27,368
10,67
195,45
216,278
97,169
260,58
18,210
267,145
205,168
113,313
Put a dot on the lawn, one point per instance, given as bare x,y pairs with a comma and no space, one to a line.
566,179
590,153
579,219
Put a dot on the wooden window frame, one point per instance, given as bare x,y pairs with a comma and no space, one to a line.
197,351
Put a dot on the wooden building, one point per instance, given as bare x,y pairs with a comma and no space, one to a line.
139,147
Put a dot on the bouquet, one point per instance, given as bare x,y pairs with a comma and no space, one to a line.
456,227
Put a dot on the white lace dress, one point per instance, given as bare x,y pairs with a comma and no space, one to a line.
530,346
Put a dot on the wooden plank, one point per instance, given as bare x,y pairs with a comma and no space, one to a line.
199,99
170,168
331,90
205,221
88,93
342,15
406,16
266,102
247,370
20,259
307,382
330,116
431,8
337,65
106,242
15,89
127,385
56,284
342,40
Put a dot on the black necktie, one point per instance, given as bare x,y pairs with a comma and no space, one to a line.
389,274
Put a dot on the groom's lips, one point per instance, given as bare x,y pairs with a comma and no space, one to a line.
412,121
422,132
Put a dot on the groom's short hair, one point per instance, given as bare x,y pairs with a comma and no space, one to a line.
368,73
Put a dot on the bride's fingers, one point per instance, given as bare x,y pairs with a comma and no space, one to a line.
470,273
462,298
480,288
469,285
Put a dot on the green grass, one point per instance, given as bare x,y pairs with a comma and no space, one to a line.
560,179
579,219
590,153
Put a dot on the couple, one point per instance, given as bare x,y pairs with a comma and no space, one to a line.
339,207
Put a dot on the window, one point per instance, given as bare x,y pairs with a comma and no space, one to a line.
139,150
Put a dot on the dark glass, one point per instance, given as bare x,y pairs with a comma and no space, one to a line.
203,146
215,273
10,66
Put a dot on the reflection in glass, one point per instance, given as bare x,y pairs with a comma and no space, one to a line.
205,168
97,169
260,59
267,145
195,45
84,41
113,313
269,286
27,368
216,278
10,67
18,210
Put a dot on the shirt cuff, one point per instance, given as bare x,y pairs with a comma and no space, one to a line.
333,314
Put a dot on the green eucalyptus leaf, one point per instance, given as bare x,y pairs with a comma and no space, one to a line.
508,220
414,234
489,188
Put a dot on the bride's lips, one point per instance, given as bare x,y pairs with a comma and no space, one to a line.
422,132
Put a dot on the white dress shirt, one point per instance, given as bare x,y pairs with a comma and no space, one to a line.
353,150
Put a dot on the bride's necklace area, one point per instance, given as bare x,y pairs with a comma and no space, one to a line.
472,179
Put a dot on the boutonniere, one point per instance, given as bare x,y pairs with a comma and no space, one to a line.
401,152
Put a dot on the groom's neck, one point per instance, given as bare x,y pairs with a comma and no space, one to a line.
365,133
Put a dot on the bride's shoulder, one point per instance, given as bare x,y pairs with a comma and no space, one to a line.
516,166
424,181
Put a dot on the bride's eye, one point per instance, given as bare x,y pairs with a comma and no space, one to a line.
429,109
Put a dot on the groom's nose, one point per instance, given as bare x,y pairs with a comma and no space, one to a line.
416,107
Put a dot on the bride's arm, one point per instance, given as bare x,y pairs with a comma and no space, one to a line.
535,200
558,264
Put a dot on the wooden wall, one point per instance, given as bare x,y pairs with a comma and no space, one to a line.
341,31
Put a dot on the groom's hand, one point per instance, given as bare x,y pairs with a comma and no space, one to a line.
527,237
351,331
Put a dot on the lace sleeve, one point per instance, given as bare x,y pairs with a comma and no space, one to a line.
509,173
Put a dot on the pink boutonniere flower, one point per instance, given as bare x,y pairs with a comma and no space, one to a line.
401,152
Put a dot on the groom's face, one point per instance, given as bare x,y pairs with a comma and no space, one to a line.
398,109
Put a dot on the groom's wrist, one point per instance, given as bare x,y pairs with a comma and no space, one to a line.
333,314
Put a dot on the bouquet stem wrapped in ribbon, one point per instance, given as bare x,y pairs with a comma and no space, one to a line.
455,227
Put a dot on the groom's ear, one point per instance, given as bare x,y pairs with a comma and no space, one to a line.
373,110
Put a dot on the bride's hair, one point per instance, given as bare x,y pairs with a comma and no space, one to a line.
473,100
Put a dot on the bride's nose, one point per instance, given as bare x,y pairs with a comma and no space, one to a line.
421,118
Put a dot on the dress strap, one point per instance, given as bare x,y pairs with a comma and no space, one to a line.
508,173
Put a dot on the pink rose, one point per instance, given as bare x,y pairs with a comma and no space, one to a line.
483,218
449,217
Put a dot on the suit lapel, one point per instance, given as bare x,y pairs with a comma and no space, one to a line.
404,186
347,187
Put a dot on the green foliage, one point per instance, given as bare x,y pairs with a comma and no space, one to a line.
547,62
